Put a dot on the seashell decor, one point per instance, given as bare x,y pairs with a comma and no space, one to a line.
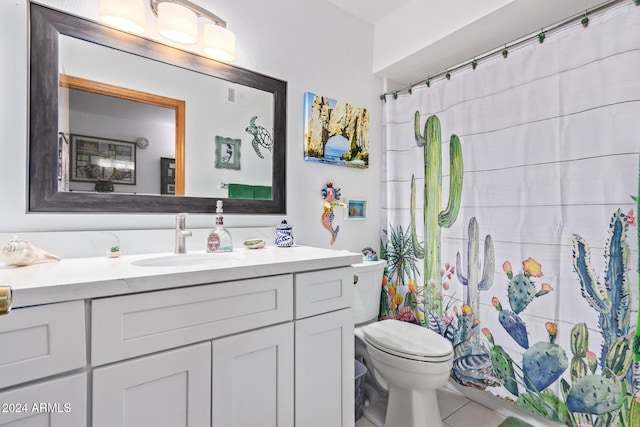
254,243
19,252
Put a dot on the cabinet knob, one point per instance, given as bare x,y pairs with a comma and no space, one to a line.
6,298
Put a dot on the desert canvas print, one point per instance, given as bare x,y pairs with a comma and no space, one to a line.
335,132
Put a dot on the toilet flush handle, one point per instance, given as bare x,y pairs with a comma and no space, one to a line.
355,279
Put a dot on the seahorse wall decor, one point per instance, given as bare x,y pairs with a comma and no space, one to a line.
331,196
434,218
261,137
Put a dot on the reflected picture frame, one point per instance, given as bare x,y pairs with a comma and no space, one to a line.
167,175
102,159
227,153
356,209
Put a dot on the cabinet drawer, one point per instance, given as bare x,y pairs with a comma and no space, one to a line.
133,325
323,291
57,403
40,341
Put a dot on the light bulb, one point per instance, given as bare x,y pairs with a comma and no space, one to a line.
219,43
127,15
177,23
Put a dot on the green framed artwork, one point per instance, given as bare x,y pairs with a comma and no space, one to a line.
227,153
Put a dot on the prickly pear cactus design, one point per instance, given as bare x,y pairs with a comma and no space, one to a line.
513,324
502,365
543,364
521,292
595,394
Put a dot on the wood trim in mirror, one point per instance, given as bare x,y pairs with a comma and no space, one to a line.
178,105
46,27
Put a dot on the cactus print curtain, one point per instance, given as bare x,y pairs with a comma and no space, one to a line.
509,223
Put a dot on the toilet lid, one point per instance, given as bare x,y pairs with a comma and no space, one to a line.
407,340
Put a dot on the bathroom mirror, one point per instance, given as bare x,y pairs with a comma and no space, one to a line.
213,150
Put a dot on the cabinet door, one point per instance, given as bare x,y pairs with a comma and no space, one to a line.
171,389
324,370
253,379
56,403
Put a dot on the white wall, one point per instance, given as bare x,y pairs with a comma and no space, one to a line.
427,37
311,44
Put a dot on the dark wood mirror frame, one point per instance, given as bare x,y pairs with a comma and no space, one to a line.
46,27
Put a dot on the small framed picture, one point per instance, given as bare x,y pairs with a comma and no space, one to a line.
356,209
227,153
167,175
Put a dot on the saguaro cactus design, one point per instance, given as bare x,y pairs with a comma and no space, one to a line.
473,283
434,218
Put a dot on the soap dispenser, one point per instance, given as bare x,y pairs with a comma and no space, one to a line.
219,239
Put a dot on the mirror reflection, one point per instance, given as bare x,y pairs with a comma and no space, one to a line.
121,123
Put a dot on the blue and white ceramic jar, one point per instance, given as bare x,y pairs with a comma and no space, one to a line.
284,235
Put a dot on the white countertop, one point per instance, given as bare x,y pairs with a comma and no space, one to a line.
82,278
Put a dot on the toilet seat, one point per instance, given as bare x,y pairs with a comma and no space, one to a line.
408,341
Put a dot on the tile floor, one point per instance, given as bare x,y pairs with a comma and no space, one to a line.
458,411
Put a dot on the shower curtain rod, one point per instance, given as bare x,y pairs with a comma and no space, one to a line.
515,43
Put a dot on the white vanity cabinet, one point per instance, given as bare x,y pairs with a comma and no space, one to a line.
265,340
42,349
175,388
324,369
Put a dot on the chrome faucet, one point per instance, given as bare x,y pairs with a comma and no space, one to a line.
181,234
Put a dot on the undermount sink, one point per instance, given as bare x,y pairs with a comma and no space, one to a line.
184,260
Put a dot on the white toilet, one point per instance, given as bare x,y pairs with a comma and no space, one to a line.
406,363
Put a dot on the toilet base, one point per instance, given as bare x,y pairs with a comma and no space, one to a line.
375,407
412,408
376,398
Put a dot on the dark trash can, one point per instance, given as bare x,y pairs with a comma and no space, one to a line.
360,371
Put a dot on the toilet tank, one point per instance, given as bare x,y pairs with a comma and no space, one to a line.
366,290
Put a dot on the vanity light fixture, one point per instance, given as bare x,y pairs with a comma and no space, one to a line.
177,21
127,15
218,42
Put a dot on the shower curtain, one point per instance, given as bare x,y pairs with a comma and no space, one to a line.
509,225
